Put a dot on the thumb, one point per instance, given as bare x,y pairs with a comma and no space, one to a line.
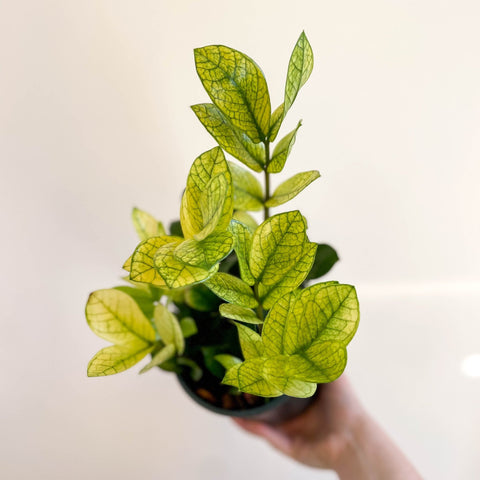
277,438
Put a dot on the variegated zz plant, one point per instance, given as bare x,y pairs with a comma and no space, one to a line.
222,299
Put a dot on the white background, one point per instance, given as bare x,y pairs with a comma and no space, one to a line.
94,118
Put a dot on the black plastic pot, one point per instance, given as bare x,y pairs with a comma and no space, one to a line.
275,411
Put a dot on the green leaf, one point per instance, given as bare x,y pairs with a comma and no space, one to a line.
277,245
235,312
242,244
227,361
175,273
205,253
247,191
188,326
290,280
322,362
145,225
168,328
209,353
166,353
292,187
301,320
282,151
115,316
232,140
196,372
176,229
299,69
116,359
278,372
250,342
325,259
142,266
202,193
237,87
276,122
248,377
200,298
231,289
246,219
143,298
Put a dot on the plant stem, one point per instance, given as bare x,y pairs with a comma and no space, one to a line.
266,214
266,210
260,312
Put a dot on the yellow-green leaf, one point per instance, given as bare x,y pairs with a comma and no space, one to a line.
280,374
143,298
301,320
322,362
237,87
277,245
232,140
276,122
232,289
299,69
292,187
168,328
115,316
175,273
235,312
128,264
282,151
207,203
227,361
190,214
205,253
216,215
242,244
248,377
142,266
246,219
116,359
247,191
291,279
166,353
250,342
145,225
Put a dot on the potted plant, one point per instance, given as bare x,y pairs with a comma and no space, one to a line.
219,300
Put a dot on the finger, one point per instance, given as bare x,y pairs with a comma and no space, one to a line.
277,438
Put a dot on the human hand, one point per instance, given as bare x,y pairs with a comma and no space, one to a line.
336,433
318,436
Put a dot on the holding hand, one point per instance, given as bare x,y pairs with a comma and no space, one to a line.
336,433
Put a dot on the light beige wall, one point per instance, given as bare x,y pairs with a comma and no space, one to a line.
94,119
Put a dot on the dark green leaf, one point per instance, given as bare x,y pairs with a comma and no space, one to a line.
325,259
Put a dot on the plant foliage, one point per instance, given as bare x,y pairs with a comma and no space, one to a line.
221,295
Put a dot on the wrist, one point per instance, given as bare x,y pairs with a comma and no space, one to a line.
368,453
349,461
